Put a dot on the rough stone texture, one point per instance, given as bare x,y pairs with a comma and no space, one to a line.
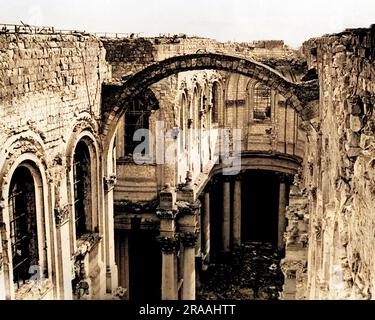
49,83
128,56
294,264
50,92
339,167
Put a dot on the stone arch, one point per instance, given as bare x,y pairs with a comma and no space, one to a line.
249,97
85,134
301,95
82,129
183,102
25,152
19,144
196,100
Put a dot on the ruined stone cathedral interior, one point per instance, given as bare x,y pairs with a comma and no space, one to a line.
131,167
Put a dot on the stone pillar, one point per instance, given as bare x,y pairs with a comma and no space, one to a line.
206,229
236,232
188,289
189,216
282,212
111,267
169,242
63,215
169,246
124,260
225,229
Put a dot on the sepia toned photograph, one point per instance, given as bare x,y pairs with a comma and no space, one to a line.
208,151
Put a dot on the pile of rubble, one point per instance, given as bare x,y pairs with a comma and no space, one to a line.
251,273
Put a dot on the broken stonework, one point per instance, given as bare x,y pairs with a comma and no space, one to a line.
252,272
340,260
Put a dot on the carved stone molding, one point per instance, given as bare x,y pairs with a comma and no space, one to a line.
79,282
86,123
189,239
129,206
296,265
109,182
183,85
62,215
186,208
25,144
167,198
166,214
168,244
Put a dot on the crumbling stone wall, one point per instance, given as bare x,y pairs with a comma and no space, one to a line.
128,55
339,167
50,93
47,80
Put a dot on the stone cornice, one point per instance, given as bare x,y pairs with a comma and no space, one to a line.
136,206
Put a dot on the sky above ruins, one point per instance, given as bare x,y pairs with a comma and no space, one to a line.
293,21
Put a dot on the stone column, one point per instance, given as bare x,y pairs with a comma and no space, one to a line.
169,246
124,260
188,290
282,212
206,229
111,267
236,232
169,242
225,244
63,215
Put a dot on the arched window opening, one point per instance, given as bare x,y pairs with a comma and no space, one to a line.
215,102
23,225
181,123
189,123
137,117
82,189
262,103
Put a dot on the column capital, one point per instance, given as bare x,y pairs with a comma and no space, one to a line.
168,244
166,214
188,208
189,239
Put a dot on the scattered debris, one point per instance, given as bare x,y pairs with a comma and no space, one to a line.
252,272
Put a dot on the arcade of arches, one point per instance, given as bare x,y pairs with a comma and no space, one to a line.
130,167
